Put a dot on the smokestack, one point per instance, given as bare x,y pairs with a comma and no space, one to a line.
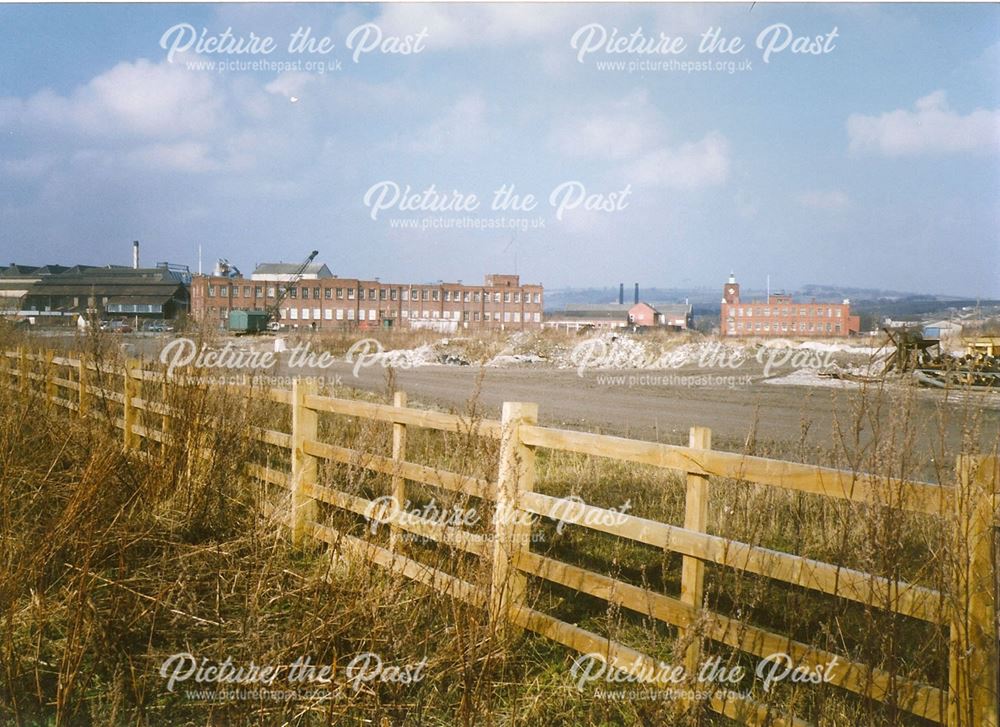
135,254
621,293
636,292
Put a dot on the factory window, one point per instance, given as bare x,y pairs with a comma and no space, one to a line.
829,312
371,294
802,311
517,317
361,314
293,292
294,313
340,314
328,314
340,293
506,296
819,312
305,314
496,315
767,312
381,294
361,293
839,312
475,315
328,293
393,293
211,291
413,294
405,294
827,327
447,296
434,314
305,293
424,294
538,298
467,296
315,314
258,291
372,316
475,297
350,293
836,328
315,293
436,295
739,312
246,291
538,317
223,291
465,315
350,314
406,313
496,297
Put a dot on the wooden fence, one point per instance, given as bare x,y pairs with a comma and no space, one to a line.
968,509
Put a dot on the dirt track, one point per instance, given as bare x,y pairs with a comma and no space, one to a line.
651,409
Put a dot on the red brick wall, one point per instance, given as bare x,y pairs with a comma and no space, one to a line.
344,303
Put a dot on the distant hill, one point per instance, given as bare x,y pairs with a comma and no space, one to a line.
872,304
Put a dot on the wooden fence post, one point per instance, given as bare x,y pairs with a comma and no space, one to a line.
81,380
693,569
128,410
305,468
50,385
512,527
398,481
22,363
972,664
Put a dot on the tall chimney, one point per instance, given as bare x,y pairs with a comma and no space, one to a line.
621,293
636,292
135,254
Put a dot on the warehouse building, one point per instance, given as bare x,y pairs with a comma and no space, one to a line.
106,292
323,301
779,315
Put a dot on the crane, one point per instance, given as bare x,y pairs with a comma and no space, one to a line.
282,292
242,322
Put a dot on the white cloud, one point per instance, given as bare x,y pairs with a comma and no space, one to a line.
824,199
632,131
183,156
932,127
461,126
472,25
688,166
616,131
138,98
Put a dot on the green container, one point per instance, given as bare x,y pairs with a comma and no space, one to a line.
247,321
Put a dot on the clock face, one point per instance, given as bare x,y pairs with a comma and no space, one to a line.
731,290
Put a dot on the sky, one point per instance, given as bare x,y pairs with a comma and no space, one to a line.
577,145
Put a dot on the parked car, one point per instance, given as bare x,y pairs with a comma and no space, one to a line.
159,327
116,326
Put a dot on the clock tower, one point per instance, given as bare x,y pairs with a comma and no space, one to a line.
731,290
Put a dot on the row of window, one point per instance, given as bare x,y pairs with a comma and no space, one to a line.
378,293
802,327
765,311
341,314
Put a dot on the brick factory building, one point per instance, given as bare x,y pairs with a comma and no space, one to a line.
781,316
322,301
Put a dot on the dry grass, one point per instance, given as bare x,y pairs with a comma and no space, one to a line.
113,560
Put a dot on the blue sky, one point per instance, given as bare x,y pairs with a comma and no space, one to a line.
876,163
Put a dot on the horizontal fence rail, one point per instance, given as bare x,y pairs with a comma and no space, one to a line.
968,510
